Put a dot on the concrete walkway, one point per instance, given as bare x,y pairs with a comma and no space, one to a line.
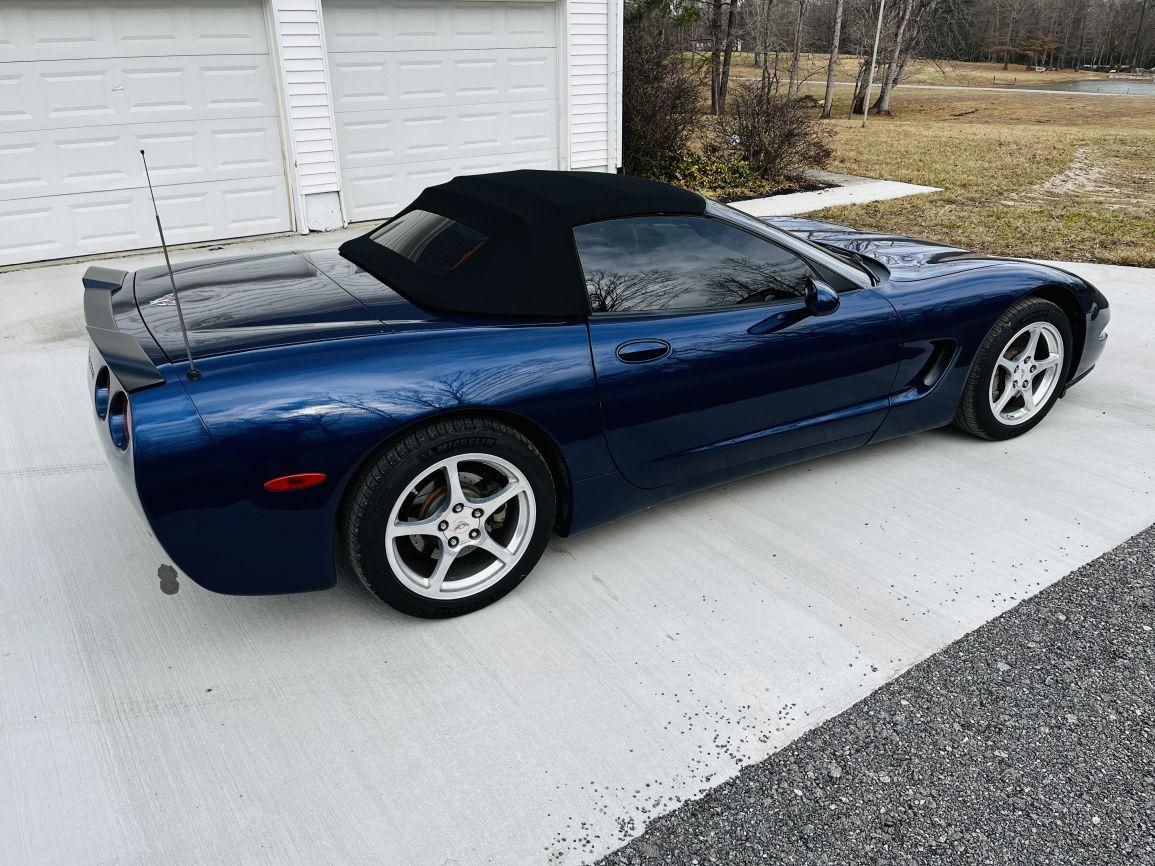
639,664
843,189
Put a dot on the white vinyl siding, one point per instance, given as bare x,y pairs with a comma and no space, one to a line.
302,50
589,84
84,86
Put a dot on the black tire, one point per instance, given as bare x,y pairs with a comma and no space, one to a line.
385,480
974,413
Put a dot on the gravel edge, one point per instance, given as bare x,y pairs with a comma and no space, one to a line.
1029,740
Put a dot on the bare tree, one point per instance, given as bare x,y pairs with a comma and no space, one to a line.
792,86
897,56
1051,33
1137,53
728,53
832,63
864,25
1014,10
715,52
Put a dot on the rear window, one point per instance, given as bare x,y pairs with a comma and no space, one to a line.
436,243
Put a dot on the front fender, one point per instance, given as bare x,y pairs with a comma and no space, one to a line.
953,302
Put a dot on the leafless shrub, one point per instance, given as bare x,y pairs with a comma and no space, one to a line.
776,135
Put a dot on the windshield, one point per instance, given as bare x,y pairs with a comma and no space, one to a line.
852,271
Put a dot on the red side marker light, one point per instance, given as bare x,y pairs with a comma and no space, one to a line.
295,482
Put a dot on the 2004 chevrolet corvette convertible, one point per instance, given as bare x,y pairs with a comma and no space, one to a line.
521,353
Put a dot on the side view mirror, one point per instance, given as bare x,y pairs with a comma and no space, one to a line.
821,299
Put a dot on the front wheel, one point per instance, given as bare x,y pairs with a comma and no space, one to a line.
1018,371
451,518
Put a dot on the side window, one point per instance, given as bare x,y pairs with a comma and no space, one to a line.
679,262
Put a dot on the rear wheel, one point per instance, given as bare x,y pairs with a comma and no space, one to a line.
451,518
1018,372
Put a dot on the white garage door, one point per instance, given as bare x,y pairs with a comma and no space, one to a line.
85,85
426,90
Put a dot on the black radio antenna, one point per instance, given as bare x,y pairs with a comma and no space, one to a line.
193,372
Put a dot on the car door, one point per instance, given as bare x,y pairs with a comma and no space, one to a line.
709,354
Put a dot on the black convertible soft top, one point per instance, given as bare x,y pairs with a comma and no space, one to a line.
513,252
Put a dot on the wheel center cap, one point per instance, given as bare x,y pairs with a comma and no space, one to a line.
462,529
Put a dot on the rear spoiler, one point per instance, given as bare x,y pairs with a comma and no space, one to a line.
121,352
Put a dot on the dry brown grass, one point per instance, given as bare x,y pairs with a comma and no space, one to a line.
989,107
1057,177
813,66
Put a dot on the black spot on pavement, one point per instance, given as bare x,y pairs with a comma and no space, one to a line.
168,582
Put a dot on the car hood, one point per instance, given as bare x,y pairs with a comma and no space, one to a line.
896,252
254,302
913,264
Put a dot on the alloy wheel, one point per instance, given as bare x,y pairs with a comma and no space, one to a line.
1026,374
461,525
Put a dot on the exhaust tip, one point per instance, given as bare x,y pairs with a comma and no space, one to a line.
101,395
119,416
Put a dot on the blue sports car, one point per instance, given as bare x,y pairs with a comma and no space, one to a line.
530,352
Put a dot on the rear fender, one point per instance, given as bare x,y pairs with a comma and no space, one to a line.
327,407
190,493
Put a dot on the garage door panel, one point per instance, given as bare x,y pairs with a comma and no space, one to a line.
533,77
89,92
424,91
28,232
97,222
61,162
367,81
65,29
84,86
371,192
533,127
369,25
385,138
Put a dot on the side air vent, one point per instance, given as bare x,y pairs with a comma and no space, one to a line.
941,355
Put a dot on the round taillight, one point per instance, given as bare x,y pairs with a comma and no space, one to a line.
119,419
101,396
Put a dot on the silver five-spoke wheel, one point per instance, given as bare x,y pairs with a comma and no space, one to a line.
1026,373
460,526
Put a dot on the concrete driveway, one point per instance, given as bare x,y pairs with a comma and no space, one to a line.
639,664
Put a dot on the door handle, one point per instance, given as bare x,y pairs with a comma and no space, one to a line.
641,351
